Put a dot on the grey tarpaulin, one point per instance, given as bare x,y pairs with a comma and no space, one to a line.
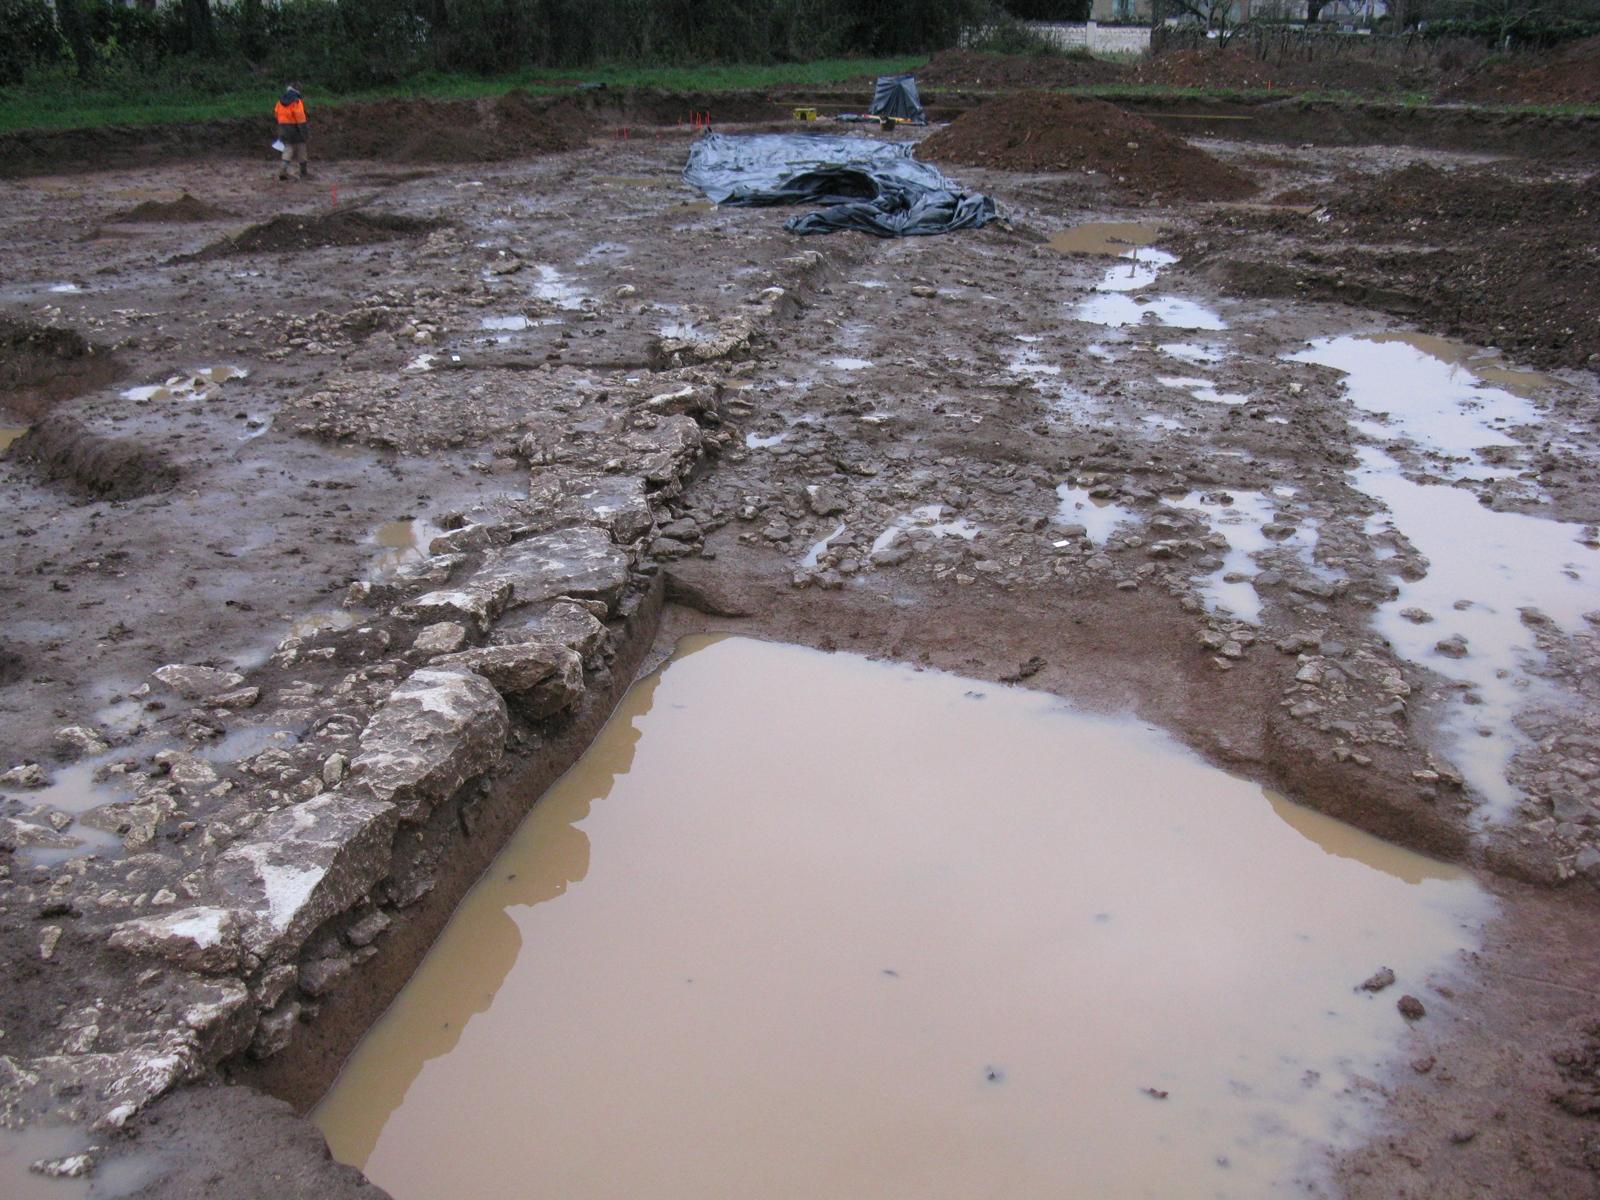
896,96
861,183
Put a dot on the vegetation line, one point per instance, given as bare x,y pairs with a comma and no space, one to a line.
72,106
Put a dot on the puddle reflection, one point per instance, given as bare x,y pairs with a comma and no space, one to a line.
830,926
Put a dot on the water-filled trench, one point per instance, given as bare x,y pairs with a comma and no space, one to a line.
805,924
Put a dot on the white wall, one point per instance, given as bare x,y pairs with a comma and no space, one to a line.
1096,38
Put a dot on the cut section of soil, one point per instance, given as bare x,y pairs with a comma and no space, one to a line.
288,232
185,210
493,129
972,69
1500,262
1569,75
429,131
1042,132
40,366
1319,70
106,468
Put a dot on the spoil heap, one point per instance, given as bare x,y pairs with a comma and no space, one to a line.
289,232
1038,132
1569,75
1002,72
185,210
515,125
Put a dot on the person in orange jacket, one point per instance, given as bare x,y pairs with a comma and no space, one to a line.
291,113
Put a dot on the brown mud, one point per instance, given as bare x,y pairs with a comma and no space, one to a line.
342,227
825,431
185,209
494,129
1067,133
1486,257
1569,74
42,365
975,70
106,468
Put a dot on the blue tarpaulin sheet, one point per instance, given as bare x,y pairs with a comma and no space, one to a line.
864,184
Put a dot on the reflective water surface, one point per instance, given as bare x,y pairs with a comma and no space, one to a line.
809,925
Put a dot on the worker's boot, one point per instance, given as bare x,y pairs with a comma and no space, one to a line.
283,171
304,174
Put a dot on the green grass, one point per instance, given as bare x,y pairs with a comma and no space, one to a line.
64,104
68,105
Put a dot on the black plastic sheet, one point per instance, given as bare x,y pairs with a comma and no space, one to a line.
860,183
896,96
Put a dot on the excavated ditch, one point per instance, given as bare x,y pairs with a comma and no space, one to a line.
879,956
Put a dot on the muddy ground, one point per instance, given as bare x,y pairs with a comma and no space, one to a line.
903,448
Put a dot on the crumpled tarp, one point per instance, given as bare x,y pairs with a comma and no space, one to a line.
896,96
875,187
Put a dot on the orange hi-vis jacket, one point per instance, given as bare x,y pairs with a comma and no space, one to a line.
290,114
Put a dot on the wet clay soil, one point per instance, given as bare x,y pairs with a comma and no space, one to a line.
883,959
947,389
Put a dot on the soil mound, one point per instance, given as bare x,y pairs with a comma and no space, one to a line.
1569,75
428,131
970,68
1067,133
41,366
185,210
289,232
1264,61
1208,68
103,467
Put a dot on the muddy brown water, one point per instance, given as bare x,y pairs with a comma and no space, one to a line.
1115,238
805,924
9,434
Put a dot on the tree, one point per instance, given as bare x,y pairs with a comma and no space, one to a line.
75,29
198,25
1213,14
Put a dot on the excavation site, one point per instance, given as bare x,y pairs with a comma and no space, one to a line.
622,644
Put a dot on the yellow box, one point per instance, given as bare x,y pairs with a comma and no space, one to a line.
805,114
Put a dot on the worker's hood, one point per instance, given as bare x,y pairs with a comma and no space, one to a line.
289,96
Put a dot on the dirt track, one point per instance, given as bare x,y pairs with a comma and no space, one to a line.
525,307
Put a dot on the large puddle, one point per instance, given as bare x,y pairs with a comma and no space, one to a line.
804,924
1487,572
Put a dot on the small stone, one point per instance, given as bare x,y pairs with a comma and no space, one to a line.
1423,1065
1460,1137
923,291
275,1030
25,775
367,930
1411,1008
1454,646
823,500
320,976
442,637
1417,616
333,769
73,1166
246,697
78,741
48,937
197,683
1378,980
